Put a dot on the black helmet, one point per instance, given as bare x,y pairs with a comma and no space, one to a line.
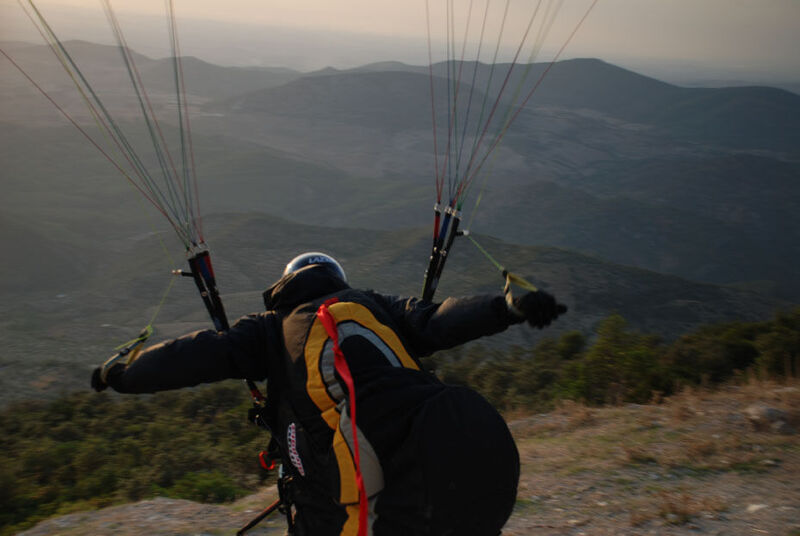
315,257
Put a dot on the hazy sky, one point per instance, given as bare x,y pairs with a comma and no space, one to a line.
756,38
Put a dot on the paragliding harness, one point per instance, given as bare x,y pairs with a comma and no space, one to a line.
265,416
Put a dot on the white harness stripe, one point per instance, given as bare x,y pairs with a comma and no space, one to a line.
350,329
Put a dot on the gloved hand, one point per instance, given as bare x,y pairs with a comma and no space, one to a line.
538,308
97,380
100,380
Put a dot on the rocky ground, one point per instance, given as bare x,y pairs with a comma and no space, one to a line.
725,463
715,463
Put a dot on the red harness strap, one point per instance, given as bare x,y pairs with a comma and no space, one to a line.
340,364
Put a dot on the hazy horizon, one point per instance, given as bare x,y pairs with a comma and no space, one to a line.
680,43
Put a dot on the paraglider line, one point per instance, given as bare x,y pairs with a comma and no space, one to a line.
85,134
533,90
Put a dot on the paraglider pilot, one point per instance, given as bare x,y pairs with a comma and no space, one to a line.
374,444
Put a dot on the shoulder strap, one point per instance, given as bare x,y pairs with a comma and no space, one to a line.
340,363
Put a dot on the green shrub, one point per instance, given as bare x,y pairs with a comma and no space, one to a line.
211,486
95,449
89,449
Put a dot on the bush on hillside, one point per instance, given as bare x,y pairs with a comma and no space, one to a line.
87,450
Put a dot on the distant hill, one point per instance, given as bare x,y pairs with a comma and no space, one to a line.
35,262
103,67
594,162
701,224
755,197
213,81
738,117
741,117
723,219
697,182
390,101
91,55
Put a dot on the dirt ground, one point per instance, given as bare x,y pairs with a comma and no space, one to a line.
717,463
700,463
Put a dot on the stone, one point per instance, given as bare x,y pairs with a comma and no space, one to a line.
782,427
672,519
763,417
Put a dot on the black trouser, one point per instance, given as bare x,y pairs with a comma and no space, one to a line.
456,473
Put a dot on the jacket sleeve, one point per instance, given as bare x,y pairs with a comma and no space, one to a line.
244,351
430,327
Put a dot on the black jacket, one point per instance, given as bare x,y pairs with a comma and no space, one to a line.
255,345
381,337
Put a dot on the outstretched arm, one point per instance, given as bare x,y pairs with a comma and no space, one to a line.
437,326
244,351
429,327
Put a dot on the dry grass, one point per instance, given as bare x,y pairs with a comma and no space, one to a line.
691,465
675,507
577,414
679,464
702,448
639,454
680,409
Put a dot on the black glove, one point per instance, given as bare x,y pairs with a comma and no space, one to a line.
538,308
100,384
97,380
